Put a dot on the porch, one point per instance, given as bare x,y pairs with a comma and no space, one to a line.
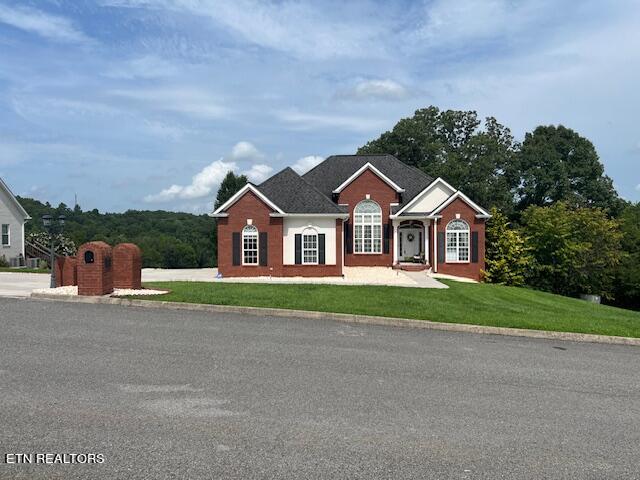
411,244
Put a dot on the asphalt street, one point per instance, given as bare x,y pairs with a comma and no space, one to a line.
174,394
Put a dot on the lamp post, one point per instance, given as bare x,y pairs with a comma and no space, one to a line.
52,227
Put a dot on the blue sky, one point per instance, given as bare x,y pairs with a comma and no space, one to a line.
146,104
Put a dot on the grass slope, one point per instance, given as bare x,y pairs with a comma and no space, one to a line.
478,304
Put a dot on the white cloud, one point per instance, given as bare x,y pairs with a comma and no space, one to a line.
48,26
202,184
187,101
375,89
305,164
310,121
638,187
245,151
258,173
206,182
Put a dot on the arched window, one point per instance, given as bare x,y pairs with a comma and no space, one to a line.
249,245
457,241
367,227
309,246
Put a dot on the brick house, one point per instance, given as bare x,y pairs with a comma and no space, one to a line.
350,210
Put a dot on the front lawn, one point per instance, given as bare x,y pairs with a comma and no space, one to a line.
478,304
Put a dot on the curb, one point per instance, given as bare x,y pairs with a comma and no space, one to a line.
346,317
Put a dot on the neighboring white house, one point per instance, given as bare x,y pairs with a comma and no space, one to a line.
12,220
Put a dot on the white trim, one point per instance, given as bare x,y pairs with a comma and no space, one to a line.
429,187
359,172
317,249
435,245
12,197
8,244
372,235
24,255
458,248
467,200
310,215
396,246
218,215
257,235
240,193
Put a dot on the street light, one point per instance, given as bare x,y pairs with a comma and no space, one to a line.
52,228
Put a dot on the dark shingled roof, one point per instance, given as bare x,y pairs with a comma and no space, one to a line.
331,173
293,194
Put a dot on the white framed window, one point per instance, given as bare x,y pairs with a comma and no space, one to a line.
309,246
250,245
457,241
6,235
367,227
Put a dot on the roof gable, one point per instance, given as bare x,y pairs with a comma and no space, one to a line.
14,201
249,187
336,169
429,199
481,212
361,170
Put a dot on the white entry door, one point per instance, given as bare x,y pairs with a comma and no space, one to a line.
410,242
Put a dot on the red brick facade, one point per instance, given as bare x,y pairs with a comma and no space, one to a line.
95,270
127,266
249,206
468,214
368,183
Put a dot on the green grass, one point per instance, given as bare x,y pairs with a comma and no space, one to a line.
478,304
24,270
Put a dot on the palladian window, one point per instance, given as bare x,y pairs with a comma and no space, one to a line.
457,241
250,245
367,227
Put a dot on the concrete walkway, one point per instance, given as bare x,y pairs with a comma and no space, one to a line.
352,276
22,284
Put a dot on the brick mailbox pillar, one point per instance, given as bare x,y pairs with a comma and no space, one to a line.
66,271
127,266
95,269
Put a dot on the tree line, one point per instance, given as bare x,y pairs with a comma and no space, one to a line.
167,239
558,224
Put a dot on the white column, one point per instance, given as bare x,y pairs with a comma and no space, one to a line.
395,241
425,225
435,245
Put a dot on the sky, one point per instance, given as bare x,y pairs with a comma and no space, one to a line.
146,104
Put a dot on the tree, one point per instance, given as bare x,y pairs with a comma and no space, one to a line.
451,144
575,250
556,165
628,275
229,186
507,256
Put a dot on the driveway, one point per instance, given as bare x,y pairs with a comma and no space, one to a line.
174,394
22,284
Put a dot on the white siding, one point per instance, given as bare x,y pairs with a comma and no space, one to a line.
294,225
10,215
431,199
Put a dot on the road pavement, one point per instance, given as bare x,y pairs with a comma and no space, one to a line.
175,394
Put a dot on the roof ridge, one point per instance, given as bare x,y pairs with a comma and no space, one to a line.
314,188
14,199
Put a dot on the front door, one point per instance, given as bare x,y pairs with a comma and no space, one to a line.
410,245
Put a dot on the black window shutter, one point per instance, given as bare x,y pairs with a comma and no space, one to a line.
348,244
441,247
385,236
298,249
264,245
474,247
235,247
321,254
